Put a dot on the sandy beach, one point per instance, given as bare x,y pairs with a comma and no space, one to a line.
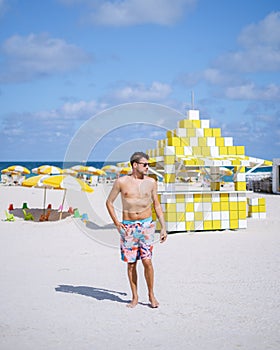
63,285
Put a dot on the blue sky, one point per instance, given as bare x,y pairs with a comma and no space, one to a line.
65,61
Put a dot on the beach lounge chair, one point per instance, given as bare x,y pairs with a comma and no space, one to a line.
24,205
9,216
84,218
27,216
11,207
71,210
76,213
45,217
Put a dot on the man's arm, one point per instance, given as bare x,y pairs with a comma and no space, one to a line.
159,213
110,206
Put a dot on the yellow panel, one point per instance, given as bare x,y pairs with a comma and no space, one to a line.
253,209
170,207
216,224
170,217
173,141
240,186
169,178
197,197
240,169
240,150
231,150
169,160
196,123
158,225
185,141
242,206
197,151
170,133
223,150
261,201
190,226
198,216
181,217
233,224
236,162
242,214
180,198
224,197
233,215
206,197
182,123
191,132
208,132
216,206
262,208
216,132
224,206
220,141
189,162
189,207
208,225
206,151
233,206
202,141
179,151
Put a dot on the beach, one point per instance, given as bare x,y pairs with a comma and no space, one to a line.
63,288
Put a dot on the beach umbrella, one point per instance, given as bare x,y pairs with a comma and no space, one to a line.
9,172
37,181
125,170
67,182
88,170
225,171
47,169
69,171
110,168
18,169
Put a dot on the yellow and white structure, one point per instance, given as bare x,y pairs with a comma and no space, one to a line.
195,146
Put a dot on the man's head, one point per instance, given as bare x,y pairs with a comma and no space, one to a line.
137,156
140,162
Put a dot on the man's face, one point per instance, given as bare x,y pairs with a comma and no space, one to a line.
143,166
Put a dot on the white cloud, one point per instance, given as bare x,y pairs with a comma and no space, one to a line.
252,92
134,12
139,92
39,132
38,55
260,48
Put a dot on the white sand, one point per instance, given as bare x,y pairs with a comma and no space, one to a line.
60,289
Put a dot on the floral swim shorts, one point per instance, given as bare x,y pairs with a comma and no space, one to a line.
137,241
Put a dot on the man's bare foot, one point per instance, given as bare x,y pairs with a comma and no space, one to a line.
153,302
133,303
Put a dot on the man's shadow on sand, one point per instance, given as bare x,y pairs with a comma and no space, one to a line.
93,292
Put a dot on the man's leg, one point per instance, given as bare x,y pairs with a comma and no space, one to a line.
149,276
132,276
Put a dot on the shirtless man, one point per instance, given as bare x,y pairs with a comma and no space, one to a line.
138,193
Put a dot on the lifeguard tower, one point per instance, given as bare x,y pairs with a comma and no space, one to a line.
189,204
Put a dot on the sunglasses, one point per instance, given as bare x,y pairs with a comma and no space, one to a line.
144,164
